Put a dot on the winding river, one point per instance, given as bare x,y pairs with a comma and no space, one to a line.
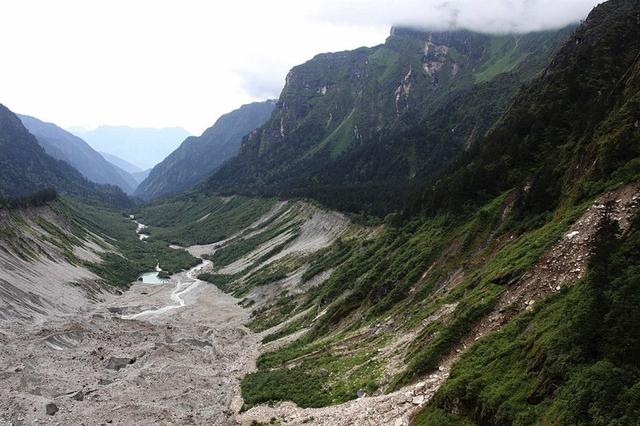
186,282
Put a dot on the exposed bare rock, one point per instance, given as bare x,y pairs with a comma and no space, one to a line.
117,363
51,409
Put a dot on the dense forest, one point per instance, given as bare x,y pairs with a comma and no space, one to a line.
36,199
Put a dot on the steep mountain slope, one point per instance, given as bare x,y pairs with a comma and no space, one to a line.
144,147
197,157
26,168
131,171
571,133
357,129
64,146
43,273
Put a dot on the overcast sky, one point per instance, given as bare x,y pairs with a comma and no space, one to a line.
160,63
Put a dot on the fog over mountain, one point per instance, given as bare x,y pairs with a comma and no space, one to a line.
493,16
156,89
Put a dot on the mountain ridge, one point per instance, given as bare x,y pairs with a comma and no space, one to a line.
355,129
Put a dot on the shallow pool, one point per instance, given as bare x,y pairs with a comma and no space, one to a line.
152,278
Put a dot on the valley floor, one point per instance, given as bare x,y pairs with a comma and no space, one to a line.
143,358
176,366
182,352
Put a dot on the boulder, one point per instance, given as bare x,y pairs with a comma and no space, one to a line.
51,409
116,363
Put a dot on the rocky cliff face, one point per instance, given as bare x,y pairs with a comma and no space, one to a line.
358,128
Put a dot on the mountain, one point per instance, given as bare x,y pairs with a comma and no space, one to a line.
508,294
573,132
144,147
25,168
198,157
360,128
64,146
141,176
119,162
569,137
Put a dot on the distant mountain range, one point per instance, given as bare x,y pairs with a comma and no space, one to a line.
197,157
138,174
123,164
25,167
143,147
64,146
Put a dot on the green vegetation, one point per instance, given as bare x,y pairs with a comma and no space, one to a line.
22,234
562,149
270,316
137,256
385,278
39,198
473,234
237,249
325,378
330,258
364,129
195,218
221,281
572,360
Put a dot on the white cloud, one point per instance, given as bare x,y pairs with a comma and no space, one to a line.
166,63
480,15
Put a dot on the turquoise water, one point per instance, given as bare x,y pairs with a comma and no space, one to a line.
152,278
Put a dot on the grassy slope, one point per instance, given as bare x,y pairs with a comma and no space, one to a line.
135,256
381,281
174,221
552,155
199,219
573,360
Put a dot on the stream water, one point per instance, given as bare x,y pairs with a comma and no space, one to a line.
186,282
152,276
